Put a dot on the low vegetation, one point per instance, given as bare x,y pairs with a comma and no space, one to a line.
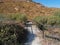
13,17
12,34
52,20
18,17
43,22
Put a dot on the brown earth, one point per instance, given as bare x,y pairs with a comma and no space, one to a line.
31,9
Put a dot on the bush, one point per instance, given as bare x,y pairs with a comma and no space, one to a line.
13,17
2,17
18,17
41,21
46,22
12,34
54,19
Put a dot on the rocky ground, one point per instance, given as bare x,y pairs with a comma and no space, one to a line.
51,36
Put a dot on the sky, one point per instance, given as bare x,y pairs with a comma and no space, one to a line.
49,3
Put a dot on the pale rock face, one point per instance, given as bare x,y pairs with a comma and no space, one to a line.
33,37
37,40
16,8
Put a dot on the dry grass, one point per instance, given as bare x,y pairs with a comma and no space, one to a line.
31,9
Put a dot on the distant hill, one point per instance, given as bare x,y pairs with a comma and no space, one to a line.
14,0
31,9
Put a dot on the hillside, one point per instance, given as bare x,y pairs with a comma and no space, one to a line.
15,29
31,9
14,0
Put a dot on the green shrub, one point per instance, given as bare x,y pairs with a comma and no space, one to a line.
2,17
54,19
18,17
57,13
12,34
13,17
41,21
51,20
